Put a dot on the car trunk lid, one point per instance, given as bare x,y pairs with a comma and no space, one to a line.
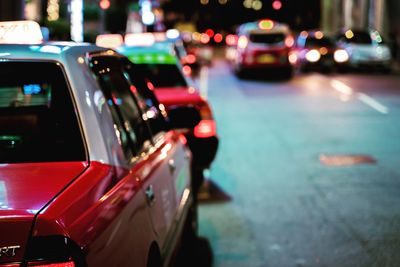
25,189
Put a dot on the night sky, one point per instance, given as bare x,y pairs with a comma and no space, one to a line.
304,14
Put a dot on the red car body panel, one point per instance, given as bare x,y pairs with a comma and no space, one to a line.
98,209
30,186
176,96
277,57
27,188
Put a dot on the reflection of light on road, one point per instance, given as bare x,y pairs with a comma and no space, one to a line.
373,103
341,87
312,86
346,92
204,82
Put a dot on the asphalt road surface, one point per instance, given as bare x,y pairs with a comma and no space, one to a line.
312,167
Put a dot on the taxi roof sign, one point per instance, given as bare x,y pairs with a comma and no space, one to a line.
139,39
109,40
20,32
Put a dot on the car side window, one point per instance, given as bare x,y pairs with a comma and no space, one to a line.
145,96
126,114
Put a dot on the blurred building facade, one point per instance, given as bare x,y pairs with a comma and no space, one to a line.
381,15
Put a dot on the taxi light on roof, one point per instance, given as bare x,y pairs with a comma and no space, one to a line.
266,24
349,34
172,34
139,39
20,32
160,36
109,40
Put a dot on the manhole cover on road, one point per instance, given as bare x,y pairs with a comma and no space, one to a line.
346,160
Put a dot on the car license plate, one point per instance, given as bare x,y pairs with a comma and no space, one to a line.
267,58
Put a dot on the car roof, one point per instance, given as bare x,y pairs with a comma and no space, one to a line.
57,51
252,27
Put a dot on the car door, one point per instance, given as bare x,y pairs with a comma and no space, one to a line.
157,156
171,150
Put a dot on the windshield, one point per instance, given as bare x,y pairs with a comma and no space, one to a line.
162,75
321,42
357,38
37,118
270,38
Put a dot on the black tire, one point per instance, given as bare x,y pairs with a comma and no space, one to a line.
304,69
342,69
239,72
289,72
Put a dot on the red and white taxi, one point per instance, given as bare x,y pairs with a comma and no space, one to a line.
91,172
263,44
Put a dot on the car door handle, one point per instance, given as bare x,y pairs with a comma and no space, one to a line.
171,165
151,198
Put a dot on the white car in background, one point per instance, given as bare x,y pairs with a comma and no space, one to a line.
365,48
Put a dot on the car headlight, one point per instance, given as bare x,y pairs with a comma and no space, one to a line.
313,55
341,56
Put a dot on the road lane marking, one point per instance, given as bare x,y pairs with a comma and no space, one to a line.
372,103
341,87
348,91
204,82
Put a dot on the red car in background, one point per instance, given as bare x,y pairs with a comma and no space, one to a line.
263,45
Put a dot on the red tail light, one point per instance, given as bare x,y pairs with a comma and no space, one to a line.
60,264
187,70
54,251
289,41
205,128
190,59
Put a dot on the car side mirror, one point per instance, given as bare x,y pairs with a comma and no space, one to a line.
183,117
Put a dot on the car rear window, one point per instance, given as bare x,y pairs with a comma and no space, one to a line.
37,117
270,38
358,38
321,42
161,75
